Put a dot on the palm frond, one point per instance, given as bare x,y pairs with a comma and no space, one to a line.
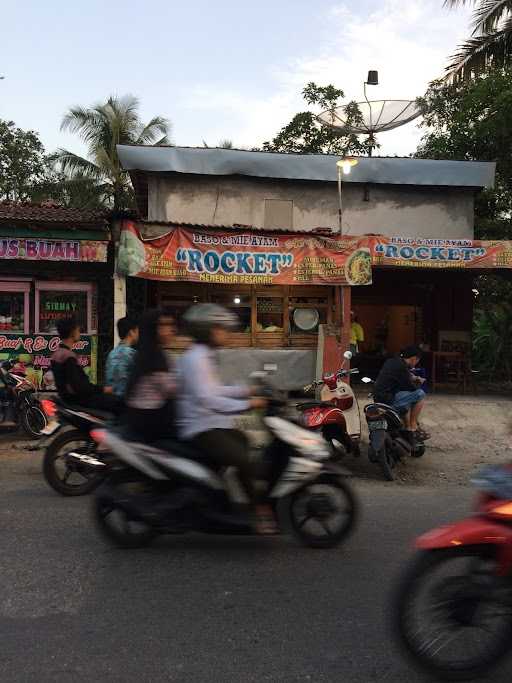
479,52
73,164
456,3
82,121
149,133
163,141
489,14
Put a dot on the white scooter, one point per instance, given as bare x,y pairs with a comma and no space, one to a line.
336,415
170,489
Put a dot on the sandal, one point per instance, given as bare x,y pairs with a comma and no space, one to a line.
421,435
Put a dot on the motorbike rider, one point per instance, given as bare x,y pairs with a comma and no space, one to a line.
120,360
398,387
151,388
206,408
72,383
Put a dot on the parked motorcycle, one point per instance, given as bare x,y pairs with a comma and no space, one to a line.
19,402
453,609
389,441
151,490
67,460
336,415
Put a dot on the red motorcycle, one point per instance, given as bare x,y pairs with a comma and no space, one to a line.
453,609
336,415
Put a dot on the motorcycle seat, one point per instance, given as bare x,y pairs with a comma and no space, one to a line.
313,404
95,412
181,449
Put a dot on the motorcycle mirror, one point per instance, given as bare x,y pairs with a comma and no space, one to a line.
366,380
347,355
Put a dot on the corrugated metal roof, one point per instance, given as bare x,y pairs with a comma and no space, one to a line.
319,167
235,226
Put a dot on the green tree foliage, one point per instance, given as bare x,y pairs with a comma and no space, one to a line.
305,135
23,163
491,41
472,120
492,341
103,127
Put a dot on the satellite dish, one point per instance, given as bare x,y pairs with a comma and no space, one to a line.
376,117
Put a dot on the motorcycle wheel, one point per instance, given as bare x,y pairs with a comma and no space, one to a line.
338,450
387,462
115,523
323,513
461,643
70,479
33,421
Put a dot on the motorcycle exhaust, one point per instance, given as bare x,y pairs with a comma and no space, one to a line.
86,459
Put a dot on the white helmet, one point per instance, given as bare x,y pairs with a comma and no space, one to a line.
201,318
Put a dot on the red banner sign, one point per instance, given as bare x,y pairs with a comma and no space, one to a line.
439,253
241,257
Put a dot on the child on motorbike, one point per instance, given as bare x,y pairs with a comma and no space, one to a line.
206,408
151,388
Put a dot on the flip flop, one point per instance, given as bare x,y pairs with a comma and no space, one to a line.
422,435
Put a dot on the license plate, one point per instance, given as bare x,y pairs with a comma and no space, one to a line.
375,425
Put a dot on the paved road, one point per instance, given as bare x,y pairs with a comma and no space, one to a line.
201,608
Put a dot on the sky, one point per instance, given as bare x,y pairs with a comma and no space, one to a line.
225,69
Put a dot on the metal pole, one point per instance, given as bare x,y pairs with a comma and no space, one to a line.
340,202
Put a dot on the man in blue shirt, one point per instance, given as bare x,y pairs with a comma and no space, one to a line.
120,360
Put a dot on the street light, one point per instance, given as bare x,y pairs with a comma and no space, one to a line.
344,167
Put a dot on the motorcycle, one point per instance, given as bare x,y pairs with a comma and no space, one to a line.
336,415
389,441
20,400
453,608
152,490
67,462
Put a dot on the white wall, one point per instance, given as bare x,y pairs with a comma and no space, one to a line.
410,211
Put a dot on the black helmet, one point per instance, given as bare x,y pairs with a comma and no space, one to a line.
201,318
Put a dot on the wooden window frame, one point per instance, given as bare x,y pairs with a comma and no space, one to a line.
19,287
55,286
269,340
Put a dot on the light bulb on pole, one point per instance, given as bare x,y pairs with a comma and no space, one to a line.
344,167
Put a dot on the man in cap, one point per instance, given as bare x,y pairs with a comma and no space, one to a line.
399,388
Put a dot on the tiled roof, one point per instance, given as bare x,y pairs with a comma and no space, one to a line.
51,213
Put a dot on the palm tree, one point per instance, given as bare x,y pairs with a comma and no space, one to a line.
490,42
103,127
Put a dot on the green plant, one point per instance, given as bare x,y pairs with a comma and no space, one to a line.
492,341
305,135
